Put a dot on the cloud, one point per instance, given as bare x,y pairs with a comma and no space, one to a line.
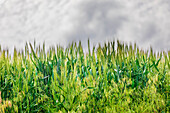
63,21
148,24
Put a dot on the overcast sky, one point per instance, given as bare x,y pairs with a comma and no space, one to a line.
63,21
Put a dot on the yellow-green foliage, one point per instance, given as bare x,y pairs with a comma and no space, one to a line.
106,79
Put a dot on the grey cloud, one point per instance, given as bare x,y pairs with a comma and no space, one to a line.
148,24
98,20
63,21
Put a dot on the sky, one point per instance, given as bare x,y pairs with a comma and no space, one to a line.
145,22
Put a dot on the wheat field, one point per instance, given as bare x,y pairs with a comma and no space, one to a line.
105,79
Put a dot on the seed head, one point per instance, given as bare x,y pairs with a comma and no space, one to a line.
0,98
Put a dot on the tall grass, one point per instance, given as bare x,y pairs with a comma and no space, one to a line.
106,79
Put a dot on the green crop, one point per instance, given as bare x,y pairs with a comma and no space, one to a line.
105,79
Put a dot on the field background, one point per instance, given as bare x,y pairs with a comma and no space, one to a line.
105,79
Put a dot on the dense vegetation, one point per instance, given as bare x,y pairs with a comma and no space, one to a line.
105,79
